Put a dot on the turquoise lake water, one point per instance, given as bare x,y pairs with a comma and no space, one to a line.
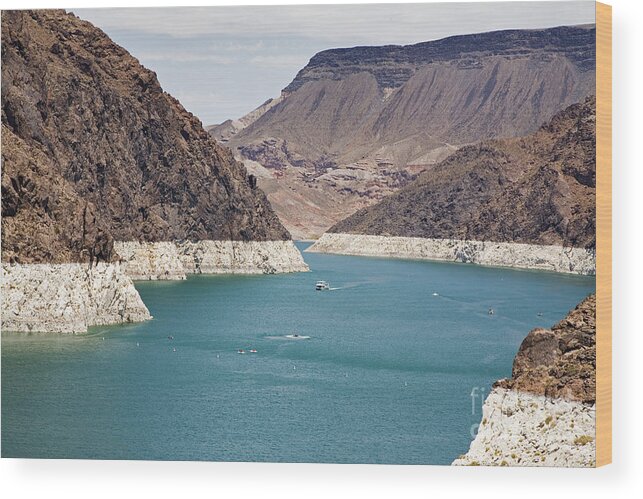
386,376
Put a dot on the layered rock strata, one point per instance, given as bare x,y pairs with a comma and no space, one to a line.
68,297
545,414
525,256
169,260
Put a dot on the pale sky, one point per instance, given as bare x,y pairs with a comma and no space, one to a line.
222,62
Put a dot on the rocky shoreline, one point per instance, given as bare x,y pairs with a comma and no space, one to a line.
68,297
526,256
523,429
71,297
174,260
545,414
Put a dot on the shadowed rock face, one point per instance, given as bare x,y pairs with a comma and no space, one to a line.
356,124
559,362
538,189
94,150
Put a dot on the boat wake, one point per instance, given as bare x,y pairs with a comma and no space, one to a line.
289,337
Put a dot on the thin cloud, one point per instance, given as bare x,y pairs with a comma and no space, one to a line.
373,24
279,61
249,47
185,57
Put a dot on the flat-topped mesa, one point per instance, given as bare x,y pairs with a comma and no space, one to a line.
357,124
525,202
94,151
393,65
544,415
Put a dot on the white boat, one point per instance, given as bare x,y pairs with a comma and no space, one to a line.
322,286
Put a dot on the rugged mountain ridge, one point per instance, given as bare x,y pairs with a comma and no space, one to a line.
95,151
538,189
357,124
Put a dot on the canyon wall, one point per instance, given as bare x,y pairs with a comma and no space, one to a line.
526,202
70,297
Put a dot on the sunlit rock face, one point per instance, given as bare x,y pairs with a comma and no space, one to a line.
68,297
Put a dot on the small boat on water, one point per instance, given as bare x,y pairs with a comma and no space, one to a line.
322,286
252,350
241,351
296,336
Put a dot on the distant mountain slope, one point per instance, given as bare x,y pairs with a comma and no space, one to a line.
537,189
356,124
94,150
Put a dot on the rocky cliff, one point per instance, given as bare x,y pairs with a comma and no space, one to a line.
544,415
559,362
95,152
538,189
174,260
357,124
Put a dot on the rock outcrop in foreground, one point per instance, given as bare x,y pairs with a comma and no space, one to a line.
95,152
545,414
357,124
67,297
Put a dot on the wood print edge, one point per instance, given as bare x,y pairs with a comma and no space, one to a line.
603,234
